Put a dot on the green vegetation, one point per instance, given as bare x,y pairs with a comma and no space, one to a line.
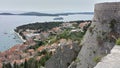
76,36
87,26
44,59
32,62
38,44
91,30
26,64
118,41
75,25
77,60
42,53
100,40
39,26
97,59
52,39
112,23
103,33
21,34
64,34
15,65
44,26
71,35
7,65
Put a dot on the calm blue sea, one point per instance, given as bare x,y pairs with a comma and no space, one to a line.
8,23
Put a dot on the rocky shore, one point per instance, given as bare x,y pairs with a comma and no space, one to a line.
20,36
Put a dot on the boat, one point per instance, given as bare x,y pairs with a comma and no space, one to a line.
5,33
58,18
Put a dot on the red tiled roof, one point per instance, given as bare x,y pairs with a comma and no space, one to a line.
41,48
0,65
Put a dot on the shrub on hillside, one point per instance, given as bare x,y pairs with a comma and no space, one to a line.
118,41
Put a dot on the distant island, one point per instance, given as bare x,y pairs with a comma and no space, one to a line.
7,14
36,14
46,14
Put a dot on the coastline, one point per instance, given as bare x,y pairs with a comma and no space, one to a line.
19,36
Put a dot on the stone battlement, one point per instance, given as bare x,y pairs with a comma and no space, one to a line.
107,11
108,6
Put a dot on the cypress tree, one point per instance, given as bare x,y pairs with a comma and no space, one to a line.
9,65
15,65
3,66
26,64
36,64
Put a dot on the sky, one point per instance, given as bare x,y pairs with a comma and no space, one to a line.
50,5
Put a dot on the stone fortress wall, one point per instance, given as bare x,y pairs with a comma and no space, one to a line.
101,35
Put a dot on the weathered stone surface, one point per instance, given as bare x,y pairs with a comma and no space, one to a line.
100,37
63,57
112,60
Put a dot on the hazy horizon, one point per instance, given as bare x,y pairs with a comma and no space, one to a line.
50,5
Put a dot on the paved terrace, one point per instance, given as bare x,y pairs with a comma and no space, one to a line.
112,60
